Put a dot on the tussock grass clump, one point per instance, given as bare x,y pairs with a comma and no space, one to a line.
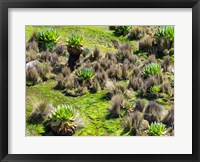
114,88
151,81
97,67
115,72
153,112
41,110
66,71
116,105
31,55
151,58
140,106
32,45
134,123
111,57
96,55
125,71
102,78
60,49
166,63
125,51
136,33
136,83
95,86
60,82
166,87
169,118
147,45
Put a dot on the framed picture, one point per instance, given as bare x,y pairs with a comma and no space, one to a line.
99,81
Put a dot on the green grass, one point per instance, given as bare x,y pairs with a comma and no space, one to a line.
92,107
94,36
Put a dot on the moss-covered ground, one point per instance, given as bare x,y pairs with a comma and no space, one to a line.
93,108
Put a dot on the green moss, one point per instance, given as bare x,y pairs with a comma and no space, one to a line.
92,107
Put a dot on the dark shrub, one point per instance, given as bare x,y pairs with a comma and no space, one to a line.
121,30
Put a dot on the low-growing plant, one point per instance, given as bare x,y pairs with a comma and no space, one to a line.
151,81
151,69
121,30
128,105
63,120
166,32
35,130
154,89
47,39
156,129
86,51
75,41
75,48
85,73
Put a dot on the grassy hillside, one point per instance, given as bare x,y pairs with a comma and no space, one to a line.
94,106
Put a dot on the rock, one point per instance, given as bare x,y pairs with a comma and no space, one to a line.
33,64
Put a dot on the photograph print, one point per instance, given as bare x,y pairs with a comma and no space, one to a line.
99,80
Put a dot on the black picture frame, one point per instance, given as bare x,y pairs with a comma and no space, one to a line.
6,4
